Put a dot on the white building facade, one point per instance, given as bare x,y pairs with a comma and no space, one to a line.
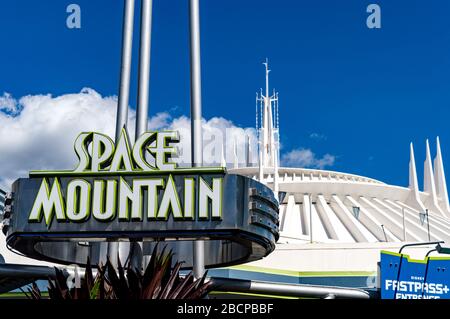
333,225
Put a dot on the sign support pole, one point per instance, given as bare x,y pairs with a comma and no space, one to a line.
124,92
196,118
144,68
135,253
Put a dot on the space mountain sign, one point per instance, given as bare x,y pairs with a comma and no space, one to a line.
124,192
122,198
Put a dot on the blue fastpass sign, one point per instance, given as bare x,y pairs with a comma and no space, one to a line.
405,278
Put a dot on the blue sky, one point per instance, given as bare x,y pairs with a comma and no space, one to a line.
366,93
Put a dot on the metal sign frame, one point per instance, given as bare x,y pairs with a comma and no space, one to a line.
247,229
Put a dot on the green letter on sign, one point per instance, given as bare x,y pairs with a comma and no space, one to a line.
50,202
214,194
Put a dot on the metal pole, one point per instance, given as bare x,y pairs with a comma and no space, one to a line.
124,86
124,92
420,244
428,225
404,225
426,270
144,68
196,118
134,249
283,289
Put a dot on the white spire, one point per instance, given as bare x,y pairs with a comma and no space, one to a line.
223,162
414,198
413,184
275,178
439,175
428,183
268,131
428,180
267,76
261,169
248,152
236,160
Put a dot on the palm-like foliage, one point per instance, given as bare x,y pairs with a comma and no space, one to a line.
158,281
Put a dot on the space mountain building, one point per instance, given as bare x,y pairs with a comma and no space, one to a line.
332,225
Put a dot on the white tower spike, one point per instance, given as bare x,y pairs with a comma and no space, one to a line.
268,125
248,153
266,64
235,161
414,198
439,176
413,184
261,168
257,128
268,137
275,178
261,111
428,183
223,162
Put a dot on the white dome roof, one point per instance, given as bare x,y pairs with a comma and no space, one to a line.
350,208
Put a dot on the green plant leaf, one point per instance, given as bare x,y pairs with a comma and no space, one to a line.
94,292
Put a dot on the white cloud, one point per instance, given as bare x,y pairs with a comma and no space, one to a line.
306,158
159,121
41,134
38,131
219,135
8,104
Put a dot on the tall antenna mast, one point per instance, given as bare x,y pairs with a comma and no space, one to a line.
267,76
256,119
268,129
268,132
